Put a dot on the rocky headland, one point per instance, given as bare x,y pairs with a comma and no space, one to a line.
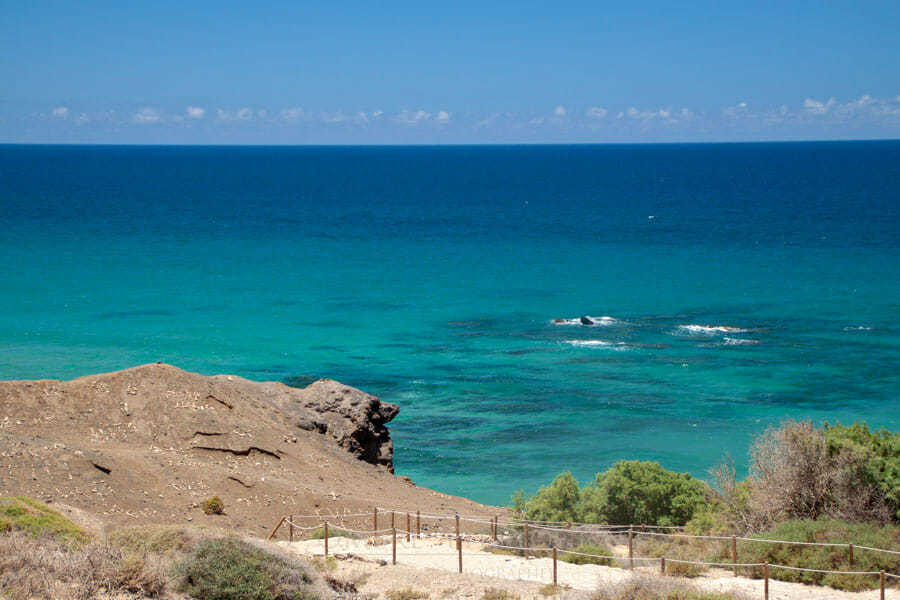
150,443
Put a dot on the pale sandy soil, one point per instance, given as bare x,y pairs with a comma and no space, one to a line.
431,565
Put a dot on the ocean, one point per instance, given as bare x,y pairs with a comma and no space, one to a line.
729,286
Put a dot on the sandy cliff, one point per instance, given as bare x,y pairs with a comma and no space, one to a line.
148,444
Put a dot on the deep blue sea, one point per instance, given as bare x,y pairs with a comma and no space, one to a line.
731,285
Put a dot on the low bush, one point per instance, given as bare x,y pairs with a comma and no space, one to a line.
213,506
643,587
825,557
231,569
594,549
498,594
405,594
319,534
156,539
37,519
49,568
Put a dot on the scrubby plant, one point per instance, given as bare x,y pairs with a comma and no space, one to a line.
45,566
551,589
405,594
602,555
643,587
232,569
498,594
213,506
156,539
799,471
869,463
829,558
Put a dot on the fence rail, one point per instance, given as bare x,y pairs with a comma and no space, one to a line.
326,522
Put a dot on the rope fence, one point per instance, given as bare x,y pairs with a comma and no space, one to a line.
414,531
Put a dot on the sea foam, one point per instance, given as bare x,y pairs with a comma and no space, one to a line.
710,329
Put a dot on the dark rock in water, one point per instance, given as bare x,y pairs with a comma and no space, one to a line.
586,321
352,418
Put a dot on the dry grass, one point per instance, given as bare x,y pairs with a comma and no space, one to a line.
43,567
405,594
642,587
498,594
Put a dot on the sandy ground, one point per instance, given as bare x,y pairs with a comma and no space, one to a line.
431,565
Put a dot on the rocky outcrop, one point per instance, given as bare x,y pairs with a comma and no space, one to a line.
150,443
352,418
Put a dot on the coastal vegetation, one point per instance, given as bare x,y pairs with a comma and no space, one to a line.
45,555
19,513
835,484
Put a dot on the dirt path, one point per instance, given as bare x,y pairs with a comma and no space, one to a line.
441,555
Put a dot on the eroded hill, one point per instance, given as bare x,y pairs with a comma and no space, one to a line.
148,444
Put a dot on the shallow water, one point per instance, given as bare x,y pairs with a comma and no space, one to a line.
765,285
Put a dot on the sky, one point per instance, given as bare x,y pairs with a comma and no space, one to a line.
238,72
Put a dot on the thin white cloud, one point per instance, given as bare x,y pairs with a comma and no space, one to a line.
559,111
596,112
195,112
61,112
293,114
443,116
818,108
408,117
148,115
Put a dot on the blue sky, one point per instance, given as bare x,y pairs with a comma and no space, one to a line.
458,72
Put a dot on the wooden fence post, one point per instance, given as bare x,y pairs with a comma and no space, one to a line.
554,564
662,565
881,577
766,581
630,547
734,553
393,545
271,535
457,525
459,550
850,546
374,520
392,519
408,527
526,540
326,537
291,527
418,523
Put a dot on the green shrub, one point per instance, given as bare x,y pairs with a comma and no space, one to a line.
634,492
577,559
555,502
631,492
36,519
213,506
825,557
230,569
870,460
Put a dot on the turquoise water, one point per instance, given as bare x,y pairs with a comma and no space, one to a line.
765,285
